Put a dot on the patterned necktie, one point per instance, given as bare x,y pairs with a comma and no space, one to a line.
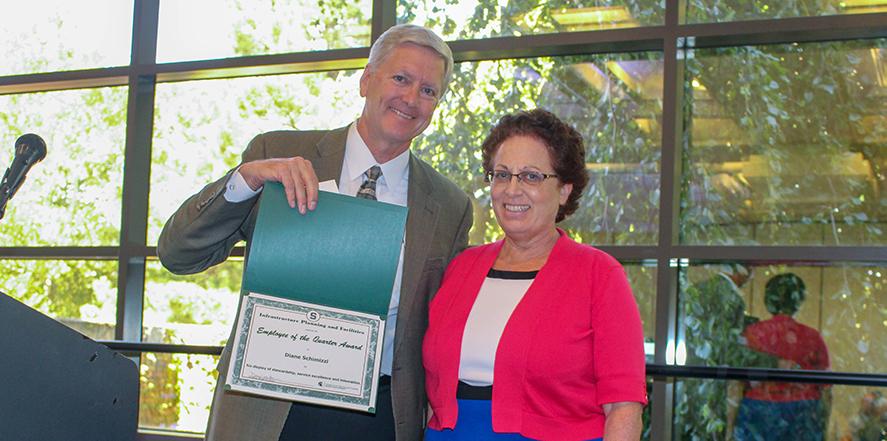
368,188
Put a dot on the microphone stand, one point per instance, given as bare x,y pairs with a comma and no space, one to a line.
4,194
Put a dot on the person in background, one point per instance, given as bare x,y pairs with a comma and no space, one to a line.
534,336
774,410
713,316
408,71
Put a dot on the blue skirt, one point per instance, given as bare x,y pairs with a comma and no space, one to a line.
475,423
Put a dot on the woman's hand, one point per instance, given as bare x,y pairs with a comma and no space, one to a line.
623,421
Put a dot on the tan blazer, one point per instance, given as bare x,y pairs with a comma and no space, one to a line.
206,227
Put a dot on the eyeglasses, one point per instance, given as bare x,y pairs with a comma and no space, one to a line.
528,177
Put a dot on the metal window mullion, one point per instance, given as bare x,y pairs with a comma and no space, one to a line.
384,17
63,253
786,253
739,33
669,204
787,30
136,173
641,39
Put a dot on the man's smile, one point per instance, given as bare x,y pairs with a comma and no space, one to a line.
401,114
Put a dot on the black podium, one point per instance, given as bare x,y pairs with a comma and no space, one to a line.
57,384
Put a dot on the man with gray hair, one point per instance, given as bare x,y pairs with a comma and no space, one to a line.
408,72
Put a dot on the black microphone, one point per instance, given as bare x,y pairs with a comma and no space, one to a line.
29,150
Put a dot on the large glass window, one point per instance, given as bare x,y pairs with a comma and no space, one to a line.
746,315
82,294
778,316
202,127
202,29
614,101
642,278
786,145
176,391
73,196
708,410
195,309
483,19
53,35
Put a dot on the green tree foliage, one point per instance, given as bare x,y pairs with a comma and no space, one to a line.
458,19
774,96
623,156
66,202
60,288
55,35
159,395
299,25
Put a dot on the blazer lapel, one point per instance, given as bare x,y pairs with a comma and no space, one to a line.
330,155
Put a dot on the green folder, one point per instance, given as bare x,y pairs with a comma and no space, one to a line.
344,254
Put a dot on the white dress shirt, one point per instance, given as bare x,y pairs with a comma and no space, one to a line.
391,187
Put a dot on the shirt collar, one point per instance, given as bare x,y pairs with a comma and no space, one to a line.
359,158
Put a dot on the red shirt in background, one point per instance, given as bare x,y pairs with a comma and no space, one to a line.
783,337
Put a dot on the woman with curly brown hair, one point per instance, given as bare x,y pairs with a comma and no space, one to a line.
534,336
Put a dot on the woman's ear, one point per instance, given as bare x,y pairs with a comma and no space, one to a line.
565,191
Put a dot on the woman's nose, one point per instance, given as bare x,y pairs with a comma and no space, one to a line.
514,185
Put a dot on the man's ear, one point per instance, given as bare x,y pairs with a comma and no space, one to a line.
365,80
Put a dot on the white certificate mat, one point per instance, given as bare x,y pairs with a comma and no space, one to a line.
299,351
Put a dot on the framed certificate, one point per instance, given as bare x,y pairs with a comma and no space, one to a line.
304,352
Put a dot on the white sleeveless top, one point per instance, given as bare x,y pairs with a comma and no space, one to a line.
499,295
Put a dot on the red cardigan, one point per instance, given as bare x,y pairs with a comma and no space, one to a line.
572,344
